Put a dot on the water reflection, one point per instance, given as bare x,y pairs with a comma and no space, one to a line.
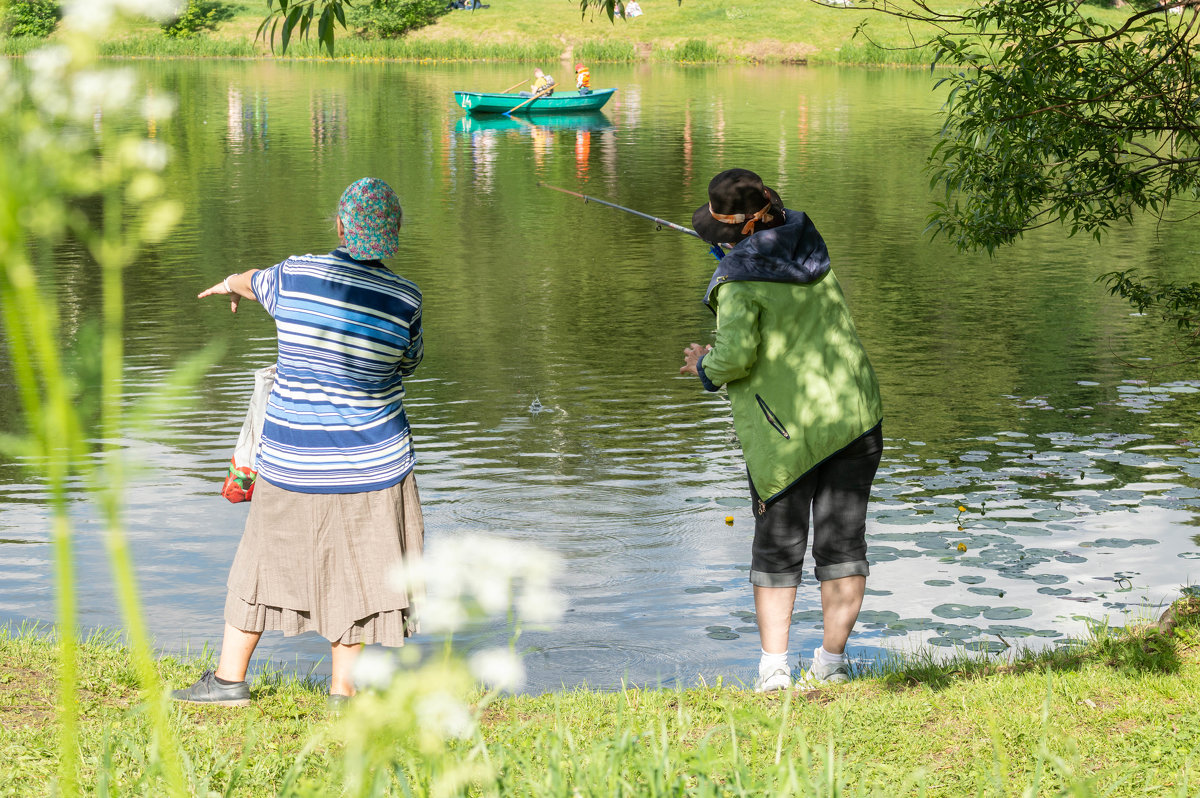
1005,382
246,120
330,124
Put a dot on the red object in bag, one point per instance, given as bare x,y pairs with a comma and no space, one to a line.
239,483
243,466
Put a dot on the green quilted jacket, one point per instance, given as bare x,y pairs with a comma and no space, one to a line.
786,349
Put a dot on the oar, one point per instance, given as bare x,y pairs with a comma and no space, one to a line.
510,88
531,99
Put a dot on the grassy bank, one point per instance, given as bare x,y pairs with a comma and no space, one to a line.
694,31
1117,716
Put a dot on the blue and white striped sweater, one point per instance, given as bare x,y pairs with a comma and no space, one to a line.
349,332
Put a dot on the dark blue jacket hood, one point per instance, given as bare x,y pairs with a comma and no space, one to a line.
794,252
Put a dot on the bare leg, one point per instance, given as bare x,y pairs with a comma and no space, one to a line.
841,599
773,606
343,657
236,648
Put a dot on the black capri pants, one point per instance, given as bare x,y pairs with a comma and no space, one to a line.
834,496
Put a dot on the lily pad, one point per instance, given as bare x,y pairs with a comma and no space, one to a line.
1009,630
1051,515
986,646
964,632
894,518
986,591
1028,531
914,624
1049,579
807,616
1054,591
944,642
972,579
733,501
957,610
1071,559
730,635
1006,613
938,582
878,616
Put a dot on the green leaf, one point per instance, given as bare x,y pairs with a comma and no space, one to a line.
289,24
325,29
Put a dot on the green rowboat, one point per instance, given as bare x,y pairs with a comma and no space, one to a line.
563,102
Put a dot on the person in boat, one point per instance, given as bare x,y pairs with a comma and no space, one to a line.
583,79
806,408
543,85
335,509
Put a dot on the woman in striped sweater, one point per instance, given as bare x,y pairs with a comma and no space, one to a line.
335,510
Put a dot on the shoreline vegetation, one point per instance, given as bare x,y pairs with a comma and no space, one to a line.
549,31
1113,715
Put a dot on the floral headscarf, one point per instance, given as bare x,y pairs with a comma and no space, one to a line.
370,214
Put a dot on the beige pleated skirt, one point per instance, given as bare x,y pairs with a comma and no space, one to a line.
326,563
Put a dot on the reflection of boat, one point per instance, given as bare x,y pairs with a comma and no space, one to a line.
567,102
589,120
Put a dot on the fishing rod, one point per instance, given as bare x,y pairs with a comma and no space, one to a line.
660,222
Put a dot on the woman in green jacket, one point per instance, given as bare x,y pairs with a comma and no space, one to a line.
806,408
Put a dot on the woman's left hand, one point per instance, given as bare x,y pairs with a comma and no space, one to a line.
691,356
222,289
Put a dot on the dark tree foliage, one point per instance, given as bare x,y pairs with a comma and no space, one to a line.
392,18
1053,117
197,16
35,18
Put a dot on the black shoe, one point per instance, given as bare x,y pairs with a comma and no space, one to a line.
207,690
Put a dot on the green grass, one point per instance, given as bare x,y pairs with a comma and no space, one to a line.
604,51
1116,715
694,31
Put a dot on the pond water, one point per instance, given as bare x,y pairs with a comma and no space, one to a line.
1014,387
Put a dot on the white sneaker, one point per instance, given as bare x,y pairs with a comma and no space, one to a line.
778,679
819,674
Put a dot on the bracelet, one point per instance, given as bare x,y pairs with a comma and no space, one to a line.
226,283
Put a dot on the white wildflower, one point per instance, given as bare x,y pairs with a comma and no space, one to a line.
109,90
540,604
442,614
48,70
445,715
158,106
96,15
374,669
152,155
499,668
485,575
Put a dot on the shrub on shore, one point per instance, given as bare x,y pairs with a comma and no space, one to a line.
390,19
196,17
29,18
